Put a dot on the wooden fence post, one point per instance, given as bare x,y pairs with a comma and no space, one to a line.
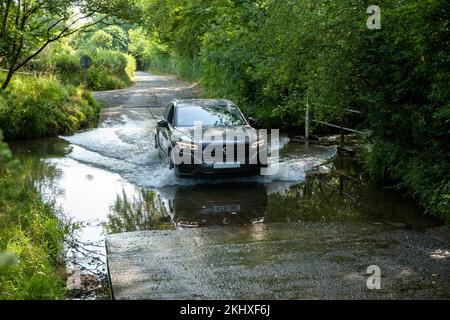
307,123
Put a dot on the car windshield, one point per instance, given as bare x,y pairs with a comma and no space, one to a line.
209,116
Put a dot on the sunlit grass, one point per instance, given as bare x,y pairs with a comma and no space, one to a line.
37,106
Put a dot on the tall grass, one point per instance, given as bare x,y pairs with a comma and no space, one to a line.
31,237
40,106
110,69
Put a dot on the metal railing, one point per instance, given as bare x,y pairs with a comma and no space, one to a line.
341,128
20,72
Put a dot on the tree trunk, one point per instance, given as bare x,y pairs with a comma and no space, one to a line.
8,78
5,19
12,67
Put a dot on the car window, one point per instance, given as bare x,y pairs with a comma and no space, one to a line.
209,116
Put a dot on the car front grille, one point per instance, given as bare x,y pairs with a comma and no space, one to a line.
241,157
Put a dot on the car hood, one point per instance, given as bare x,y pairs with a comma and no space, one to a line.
238,134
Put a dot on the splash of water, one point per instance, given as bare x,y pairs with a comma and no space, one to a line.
127,148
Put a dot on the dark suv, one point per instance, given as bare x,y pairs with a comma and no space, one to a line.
206,137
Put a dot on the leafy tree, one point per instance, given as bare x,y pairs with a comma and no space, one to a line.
119,38
29,26
102,40
140,46
408,101
275,56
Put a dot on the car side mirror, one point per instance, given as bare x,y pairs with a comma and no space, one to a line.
252,121
163,123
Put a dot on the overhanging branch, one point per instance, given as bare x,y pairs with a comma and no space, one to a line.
67,31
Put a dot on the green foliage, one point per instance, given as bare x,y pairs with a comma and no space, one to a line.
67,67
101,40
31,237
261,54
142,48
274,57
113,67
408,101
29,27
111,70
119,36
41,106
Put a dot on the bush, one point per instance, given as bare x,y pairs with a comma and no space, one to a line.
31,237
119,36
111,70
408,106
102,40
41,106
67,67
140,47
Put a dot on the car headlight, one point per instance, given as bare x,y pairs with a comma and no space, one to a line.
259,143
187,145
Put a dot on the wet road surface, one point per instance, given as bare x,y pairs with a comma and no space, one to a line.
298,234
303,260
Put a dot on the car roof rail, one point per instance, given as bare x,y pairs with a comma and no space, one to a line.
222,102
229,102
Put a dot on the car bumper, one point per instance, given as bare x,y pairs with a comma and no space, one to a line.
210,171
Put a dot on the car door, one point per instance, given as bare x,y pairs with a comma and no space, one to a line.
164,134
